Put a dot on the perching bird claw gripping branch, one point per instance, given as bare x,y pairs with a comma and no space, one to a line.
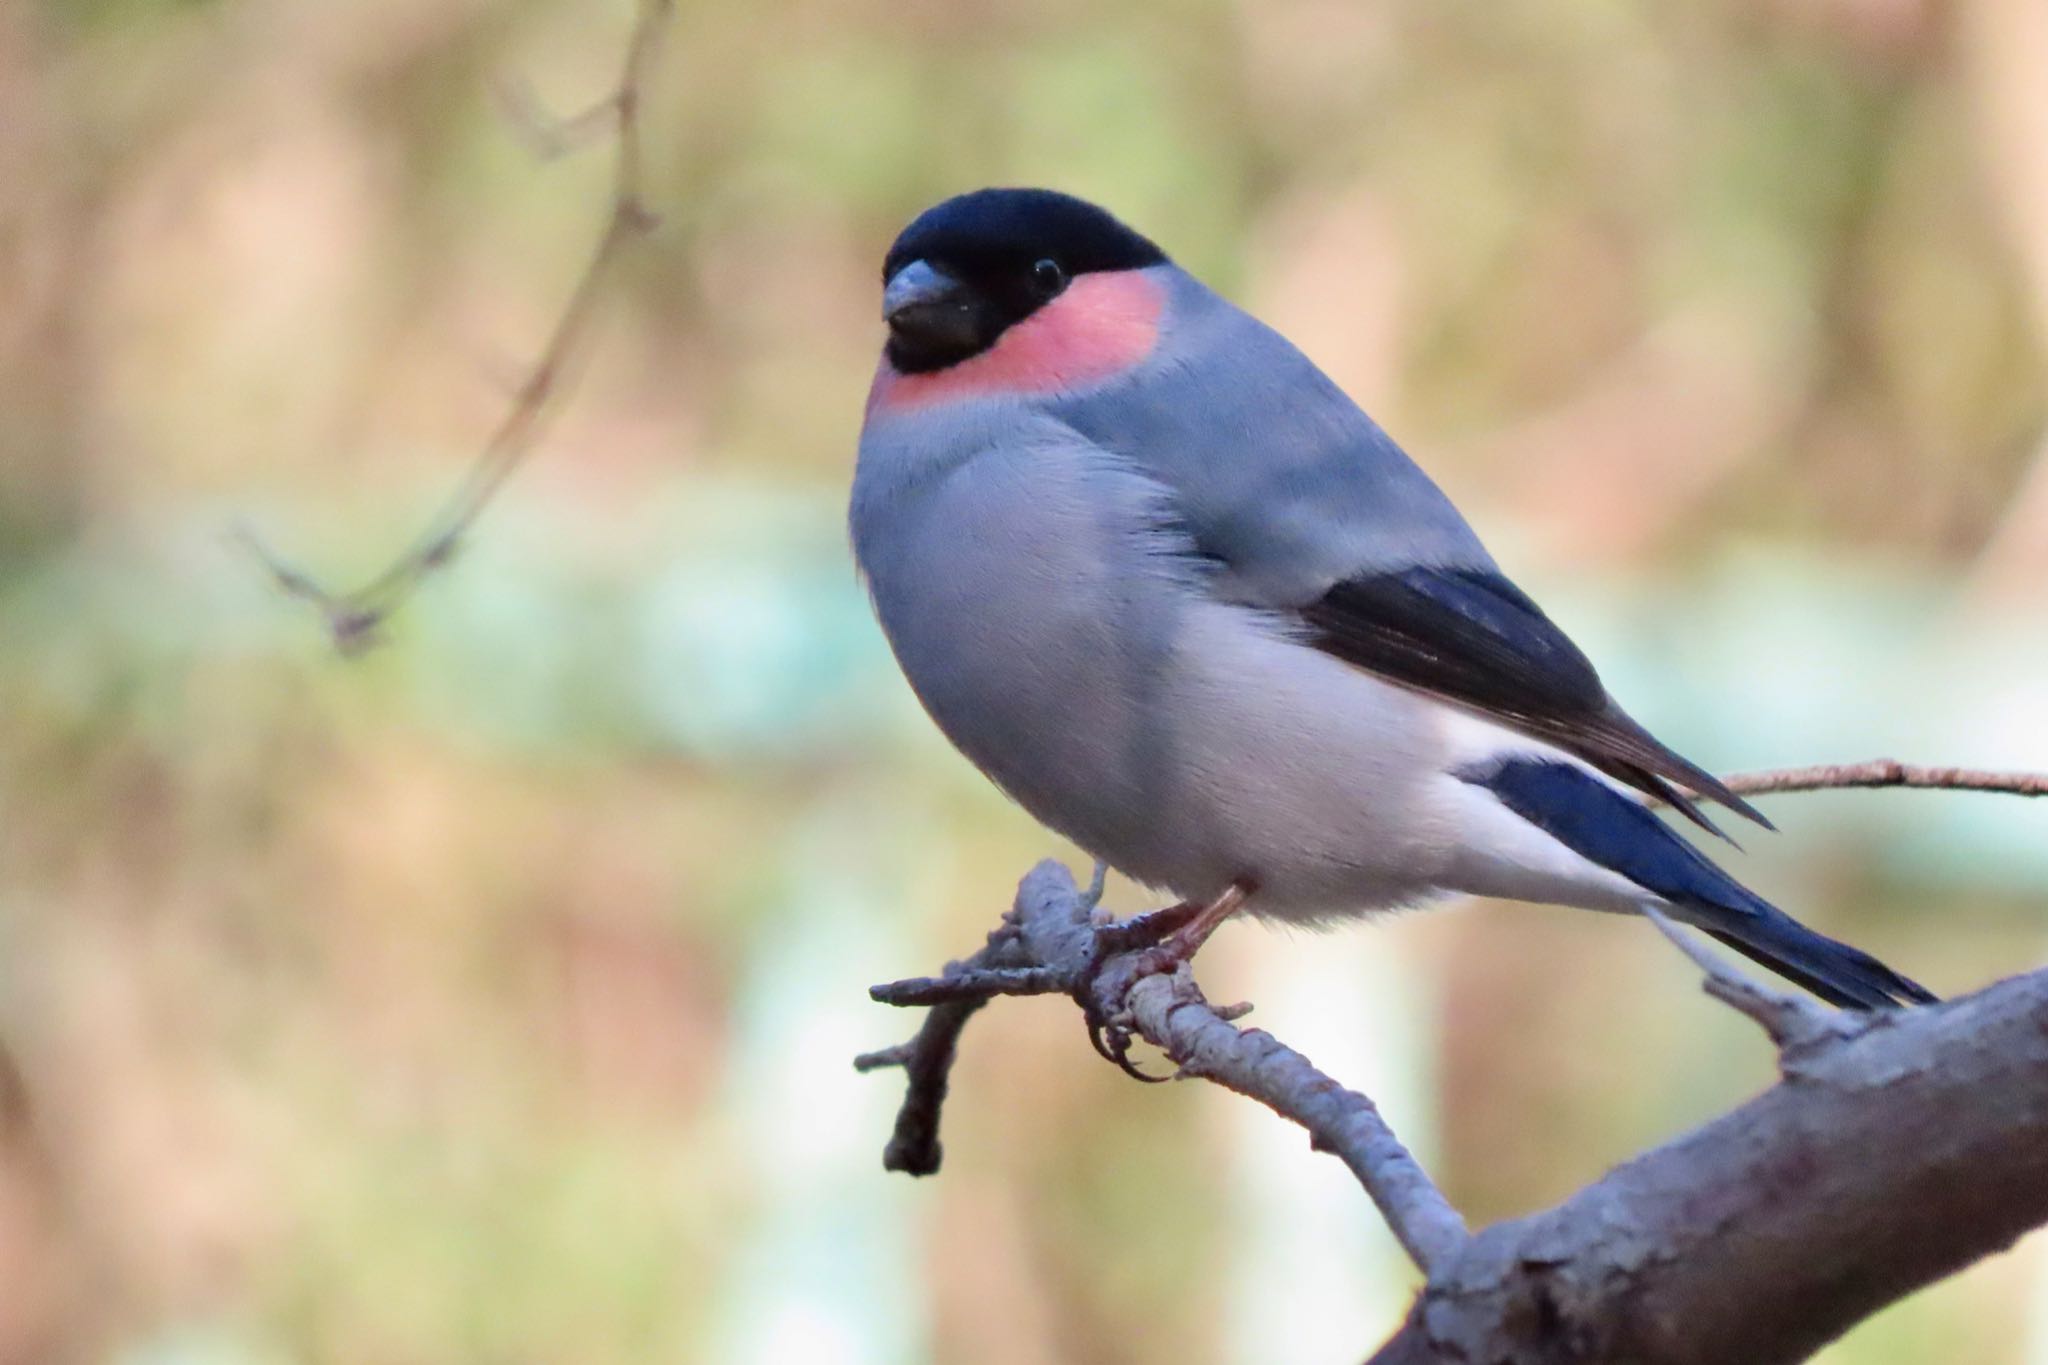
1901,1146
1047,945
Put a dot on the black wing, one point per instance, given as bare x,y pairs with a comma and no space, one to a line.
1471,637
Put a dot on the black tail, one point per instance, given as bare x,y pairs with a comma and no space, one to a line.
1835,972
1598,823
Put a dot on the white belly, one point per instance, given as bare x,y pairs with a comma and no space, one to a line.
1322,784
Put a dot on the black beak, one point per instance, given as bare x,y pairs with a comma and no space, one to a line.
930,312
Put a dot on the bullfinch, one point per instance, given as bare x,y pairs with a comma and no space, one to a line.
1153,573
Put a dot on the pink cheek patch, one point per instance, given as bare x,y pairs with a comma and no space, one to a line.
1105,322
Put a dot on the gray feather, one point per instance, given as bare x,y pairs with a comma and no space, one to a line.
1283,479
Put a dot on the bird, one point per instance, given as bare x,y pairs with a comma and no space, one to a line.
1153,573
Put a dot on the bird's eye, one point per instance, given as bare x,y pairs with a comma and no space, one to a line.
1048,276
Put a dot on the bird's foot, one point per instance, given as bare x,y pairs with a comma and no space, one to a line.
1128,951
1101,995
1142,930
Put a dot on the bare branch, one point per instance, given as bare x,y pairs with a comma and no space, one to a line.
1899,1145
1792,1021
927,1059
977,984
354,618
1886,772
1890,1159
1170,1011
927,1062
1050,943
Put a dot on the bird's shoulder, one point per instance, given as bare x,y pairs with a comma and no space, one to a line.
1278,475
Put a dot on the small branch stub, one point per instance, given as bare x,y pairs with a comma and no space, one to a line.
1793,1022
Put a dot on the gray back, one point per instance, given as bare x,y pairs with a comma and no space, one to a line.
1278,474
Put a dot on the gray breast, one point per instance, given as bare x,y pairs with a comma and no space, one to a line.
1029,586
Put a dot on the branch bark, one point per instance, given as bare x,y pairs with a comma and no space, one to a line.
1883,1161
1896,1148
1050,941
1887,772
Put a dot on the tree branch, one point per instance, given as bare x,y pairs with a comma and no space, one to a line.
1886,772
354,619
1049,942
1888,1159
1170,1011
1898,1146
1791,1021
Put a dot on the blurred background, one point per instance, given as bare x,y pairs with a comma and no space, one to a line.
491,997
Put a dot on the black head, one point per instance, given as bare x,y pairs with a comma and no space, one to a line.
967,270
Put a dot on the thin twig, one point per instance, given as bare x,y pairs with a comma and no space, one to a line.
978,984
1098,882
1049,942
354,618
1171,1011
1886,772
927,1059
882,1058
1792,1021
